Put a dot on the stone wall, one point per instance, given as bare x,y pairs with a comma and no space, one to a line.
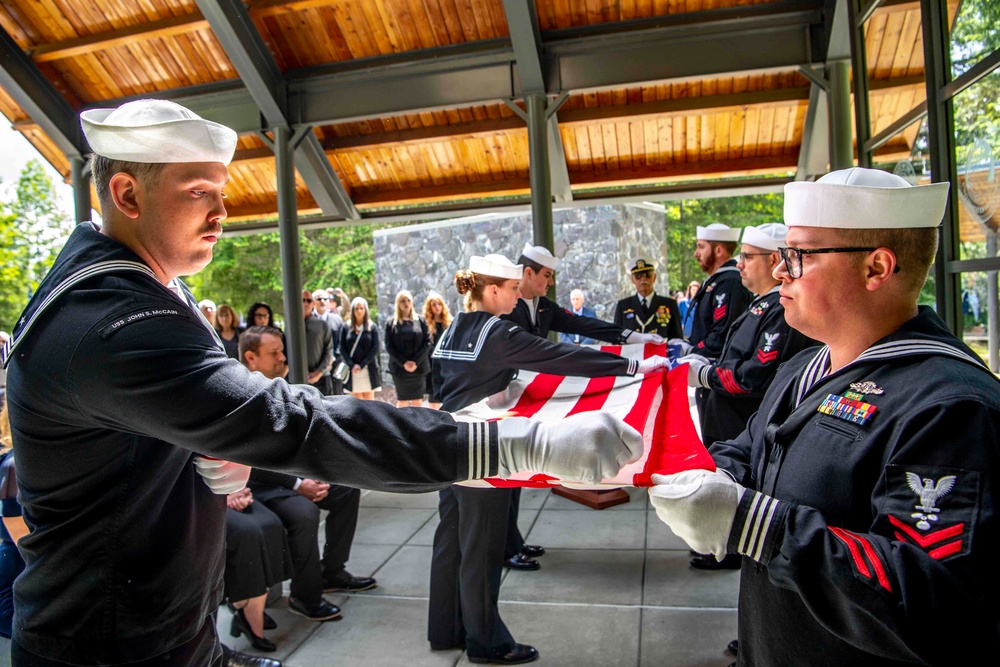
596,247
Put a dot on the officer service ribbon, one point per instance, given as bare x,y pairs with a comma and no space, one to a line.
655,404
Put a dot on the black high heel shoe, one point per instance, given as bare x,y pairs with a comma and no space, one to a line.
242,626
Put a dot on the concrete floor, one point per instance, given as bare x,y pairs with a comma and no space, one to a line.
615,588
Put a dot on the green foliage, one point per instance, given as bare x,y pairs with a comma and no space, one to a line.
248,268
32,231
683,217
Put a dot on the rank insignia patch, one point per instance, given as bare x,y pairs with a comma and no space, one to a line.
933,509
720,307
842,407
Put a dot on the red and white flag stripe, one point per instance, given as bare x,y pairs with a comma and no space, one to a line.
655,404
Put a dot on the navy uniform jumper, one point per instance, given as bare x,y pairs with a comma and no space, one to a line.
480,355
869,526
720,300
759,341
115,383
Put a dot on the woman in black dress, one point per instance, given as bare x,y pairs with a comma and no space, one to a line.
359,347
438,318
227,325
480,355
408,345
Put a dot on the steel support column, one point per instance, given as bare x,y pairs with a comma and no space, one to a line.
941,139
291,270
80,172
538,173
839,101
859,71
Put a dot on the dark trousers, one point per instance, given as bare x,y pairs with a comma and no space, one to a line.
325,385
515,541
342,504
466,569
300,517
204,650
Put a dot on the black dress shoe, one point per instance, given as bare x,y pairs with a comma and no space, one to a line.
238,659
532,550
730,562
521,653
322,611
241,626
734,647
521,562
346,582
269,623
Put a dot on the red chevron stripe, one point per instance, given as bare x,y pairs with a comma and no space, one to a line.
859,561
767,357
873,558
729,383
946,550
719,313
927,539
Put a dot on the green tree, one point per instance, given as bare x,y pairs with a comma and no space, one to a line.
683,217
33,230
248,268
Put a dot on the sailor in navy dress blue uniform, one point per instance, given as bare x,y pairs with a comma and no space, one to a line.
480,354
646,311
722,297
537,315
116,379
863,494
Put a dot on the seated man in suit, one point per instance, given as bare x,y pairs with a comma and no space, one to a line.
576,299
646,311
297,502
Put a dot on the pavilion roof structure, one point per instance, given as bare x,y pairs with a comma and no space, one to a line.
405,108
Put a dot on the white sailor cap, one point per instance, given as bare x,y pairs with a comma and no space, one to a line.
157,131
766,237
859,198
540,255
497,266
718,232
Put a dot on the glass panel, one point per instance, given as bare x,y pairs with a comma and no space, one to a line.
977,158
974,33
979,321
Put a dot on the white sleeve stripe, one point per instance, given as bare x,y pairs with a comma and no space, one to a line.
484,436
472,451
757,525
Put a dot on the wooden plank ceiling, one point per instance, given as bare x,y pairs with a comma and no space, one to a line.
658,133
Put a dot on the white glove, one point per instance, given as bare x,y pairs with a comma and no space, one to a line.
652,364
696,363
223,477
699,506
586,447
683,347
636,337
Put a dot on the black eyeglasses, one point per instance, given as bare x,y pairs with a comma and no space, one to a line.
793,257
305,300
754,254
322,298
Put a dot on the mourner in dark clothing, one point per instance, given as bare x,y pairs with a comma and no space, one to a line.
438,319
480,355
227,325
319,347
646,311
359,347
116,380
863,494
12,529
408,344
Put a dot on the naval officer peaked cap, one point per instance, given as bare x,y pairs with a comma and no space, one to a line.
859,198
496,266
718,232
540,255
766,237
157,131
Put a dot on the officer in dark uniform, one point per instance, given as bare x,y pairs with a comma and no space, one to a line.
722,297
116,380
759,341
863,494
537,315
480,354
646,311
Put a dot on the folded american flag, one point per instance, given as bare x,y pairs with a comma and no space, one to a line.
656,405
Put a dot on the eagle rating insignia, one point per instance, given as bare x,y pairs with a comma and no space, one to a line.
929,492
